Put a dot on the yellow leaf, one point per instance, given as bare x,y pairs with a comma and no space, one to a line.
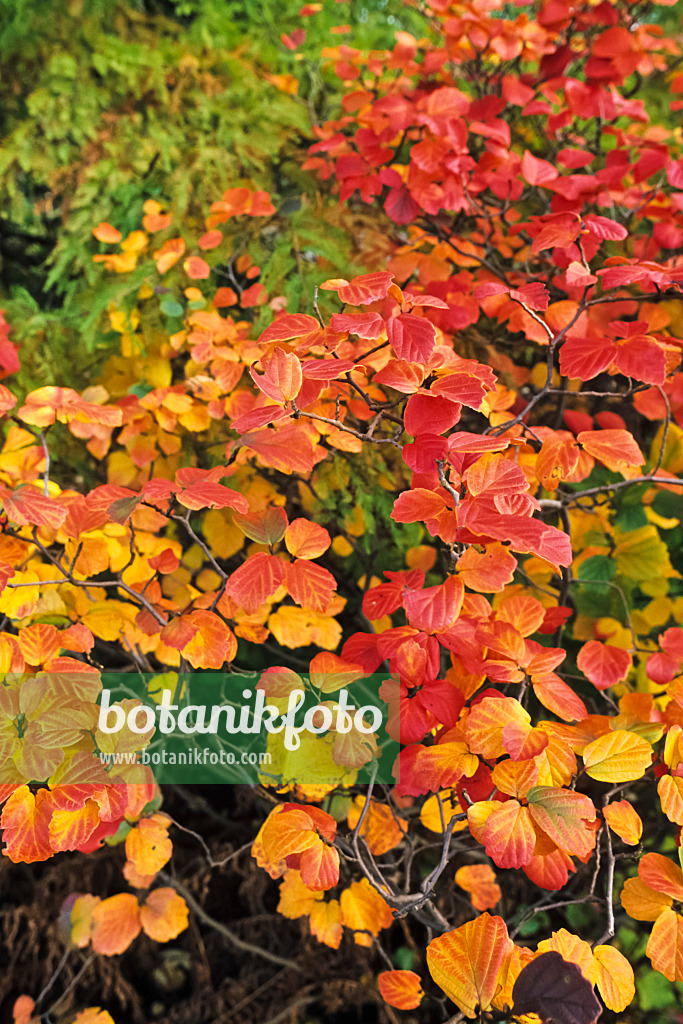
618,756
614,977
642,555
296,899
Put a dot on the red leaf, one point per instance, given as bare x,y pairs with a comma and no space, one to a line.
585,358
362,290
604,664
434,610
460,387
537,172
643,359
426,413
282,378
413,338
366,325
256,580
207,494
604,228
401,206
292,325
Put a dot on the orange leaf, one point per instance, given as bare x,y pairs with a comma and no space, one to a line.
486,721
364,910
22,1011
319,866
93,1015
105,232
287,832
326,923
163,915
665,945
213,644
641,902
618,756
116,922
487,571
305,539
296,899
662,875
467,962
401,989
381,829
148,845
479,880
556,461
330,673
670,790
624,820
196,268
509,835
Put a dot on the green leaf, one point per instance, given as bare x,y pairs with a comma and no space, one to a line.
171,307
599,567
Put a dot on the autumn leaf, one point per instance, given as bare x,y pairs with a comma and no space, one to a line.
163,915
466,963
614,978
623,819
115,923
479,880
665,945
618,756
400,989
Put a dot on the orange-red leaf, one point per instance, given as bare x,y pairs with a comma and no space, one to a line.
435,609
617,449
256,580
401,989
